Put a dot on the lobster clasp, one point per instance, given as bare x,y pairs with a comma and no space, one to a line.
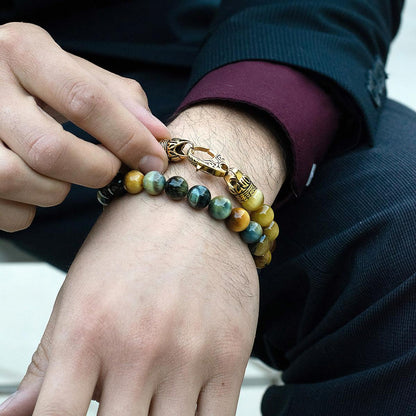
215,165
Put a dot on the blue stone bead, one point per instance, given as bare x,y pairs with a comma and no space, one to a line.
220,207
199,196
176,188
252,233
154,182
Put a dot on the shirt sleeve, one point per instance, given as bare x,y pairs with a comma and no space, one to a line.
305,113
341,45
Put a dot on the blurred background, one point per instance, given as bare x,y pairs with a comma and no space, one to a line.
28,288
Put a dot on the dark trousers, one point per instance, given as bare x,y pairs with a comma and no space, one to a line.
338,304
338,307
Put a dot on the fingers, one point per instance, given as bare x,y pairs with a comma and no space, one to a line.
76,94
47,148
20,403
125,395
219,397
68,387
176,398
131,95
19,183
15,216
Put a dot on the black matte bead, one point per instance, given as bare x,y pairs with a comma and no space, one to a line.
103,199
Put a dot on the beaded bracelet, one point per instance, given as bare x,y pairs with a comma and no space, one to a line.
239,184
258,229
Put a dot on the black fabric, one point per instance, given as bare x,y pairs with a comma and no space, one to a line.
338,304
338,42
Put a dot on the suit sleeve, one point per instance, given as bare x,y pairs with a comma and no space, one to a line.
342,46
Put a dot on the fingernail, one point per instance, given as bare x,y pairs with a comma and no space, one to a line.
7,402
148,163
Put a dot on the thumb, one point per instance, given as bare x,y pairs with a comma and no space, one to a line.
22,403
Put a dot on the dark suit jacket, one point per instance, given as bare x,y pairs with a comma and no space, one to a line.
342,44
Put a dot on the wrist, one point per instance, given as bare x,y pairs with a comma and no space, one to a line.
245,140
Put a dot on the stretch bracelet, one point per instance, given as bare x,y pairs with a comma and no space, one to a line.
258,228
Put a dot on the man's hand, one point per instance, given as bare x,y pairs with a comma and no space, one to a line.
40,84
158,312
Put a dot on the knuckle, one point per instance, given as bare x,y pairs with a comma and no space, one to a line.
92,324
135,87
11,36
44,152
232,354
14,37
39,362
80,99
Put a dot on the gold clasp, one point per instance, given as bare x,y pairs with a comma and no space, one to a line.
176,148
215,165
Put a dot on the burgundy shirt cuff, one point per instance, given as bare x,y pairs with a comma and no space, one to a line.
306,113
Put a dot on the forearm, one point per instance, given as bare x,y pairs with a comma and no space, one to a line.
244,140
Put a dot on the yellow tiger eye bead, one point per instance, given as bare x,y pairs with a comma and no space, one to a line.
238,220
263,261
264,215
254,202
273,246
261,247
133,182
272,231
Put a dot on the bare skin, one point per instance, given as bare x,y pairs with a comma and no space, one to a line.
158,312
41,86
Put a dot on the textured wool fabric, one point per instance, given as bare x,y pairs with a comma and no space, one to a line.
338,303
342,42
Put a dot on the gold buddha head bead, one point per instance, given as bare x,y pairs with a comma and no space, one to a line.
244,190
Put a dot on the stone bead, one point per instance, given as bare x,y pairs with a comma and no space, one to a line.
272,231
252,233
254,202
176,188
264,215
133,182
116,188
102,199
220,207
113,190
154,182
263,261
261,247
238,220
273,246
199,197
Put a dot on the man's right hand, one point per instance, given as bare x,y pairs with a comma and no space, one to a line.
41,85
